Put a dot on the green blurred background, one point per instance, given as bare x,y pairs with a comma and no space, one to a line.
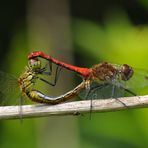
82,33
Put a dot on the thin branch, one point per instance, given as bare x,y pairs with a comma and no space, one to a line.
73,108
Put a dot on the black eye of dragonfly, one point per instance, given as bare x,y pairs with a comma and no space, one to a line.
126,72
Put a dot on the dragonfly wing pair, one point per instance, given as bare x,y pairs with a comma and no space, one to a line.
9,89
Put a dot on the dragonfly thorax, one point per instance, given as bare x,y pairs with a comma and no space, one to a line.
27,80
104,71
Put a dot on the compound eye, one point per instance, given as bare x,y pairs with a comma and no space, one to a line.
126,72
35,64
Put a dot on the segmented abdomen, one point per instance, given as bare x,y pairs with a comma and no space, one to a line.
39,97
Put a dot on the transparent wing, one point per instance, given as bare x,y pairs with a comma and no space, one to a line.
9,89
139,82
102,91
137,85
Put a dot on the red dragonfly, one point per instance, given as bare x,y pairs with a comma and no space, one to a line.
114,78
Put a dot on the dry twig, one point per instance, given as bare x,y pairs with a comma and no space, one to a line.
73,108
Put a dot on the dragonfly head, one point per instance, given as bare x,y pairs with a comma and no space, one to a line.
126,72
34,64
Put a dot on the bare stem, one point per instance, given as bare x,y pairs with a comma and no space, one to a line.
73,108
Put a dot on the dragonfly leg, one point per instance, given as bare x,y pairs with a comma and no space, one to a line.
91,106
43,70
52,84
58,70
88,93
122,102
112,95
129,91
